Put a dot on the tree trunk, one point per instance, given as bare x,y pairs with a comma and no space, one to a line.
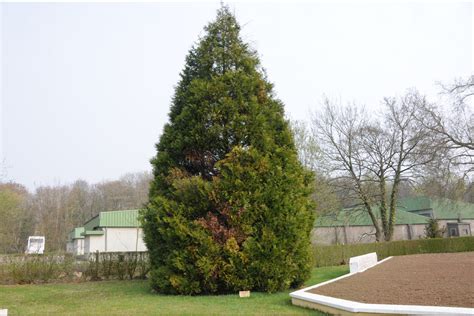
383,205
378,231
393,204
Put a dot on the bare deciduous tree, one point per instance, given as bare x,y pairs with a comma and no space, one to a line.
16,220
326,200
371,158
454,125
339,130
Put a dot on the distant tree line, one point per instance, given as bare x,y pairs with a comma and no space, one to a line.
52,211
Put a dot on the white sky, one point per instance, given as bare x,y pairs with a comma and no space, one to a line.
86,88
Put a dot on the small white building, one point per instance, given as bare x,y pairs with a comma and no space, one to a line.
115,231
75,243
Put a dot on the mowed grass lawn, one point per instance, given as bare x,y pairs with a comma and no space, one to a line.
136,298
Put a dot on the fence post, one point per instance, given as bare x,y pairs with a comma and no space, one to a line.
97,256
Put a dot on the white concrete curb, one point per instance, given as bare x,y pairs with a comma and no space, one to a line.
3,312
362,263
357,307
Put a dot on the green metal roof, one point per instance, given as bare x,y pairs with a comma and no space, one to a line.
126,218
92,232
415,203
92,223
76,233
442,208
360,217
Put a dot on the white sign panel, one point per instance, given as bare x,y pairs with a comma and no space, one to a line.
35,245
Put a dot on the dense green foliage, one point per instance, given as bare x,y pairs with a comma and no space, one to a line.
340,254
230,205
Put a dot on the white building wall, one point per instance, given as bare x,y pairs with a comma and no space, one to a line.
113,240
70,247
362,234
93,243
124,239
78,246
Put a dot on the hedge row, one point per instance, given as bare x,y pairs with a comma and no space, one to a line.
340,254
117,265
25,269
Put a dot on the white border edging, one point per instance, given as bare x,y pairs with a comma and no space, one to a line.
362,263
357,307
3,312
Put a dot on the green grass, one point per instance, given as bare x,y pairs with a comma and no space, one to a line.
135,298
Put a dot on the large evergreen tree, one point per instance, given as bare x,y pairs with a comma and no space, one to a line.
229,207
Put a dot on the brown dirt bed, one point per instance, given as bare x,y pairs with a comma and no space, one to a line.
445,279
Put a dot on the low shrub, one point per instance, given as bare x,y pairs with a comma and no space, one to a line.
120,266
27,269
94,271
340,254
143,265
106,266
117,265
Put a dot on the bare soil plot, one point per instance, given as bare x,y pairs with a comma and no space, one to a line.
445,279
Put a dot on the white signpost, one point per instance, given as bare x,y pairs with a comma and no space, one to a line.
35,245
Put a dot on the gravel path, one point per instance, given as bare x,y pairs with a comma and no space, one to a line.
445,279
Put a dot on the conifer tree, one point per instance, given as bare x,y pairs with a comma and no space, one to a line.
229,207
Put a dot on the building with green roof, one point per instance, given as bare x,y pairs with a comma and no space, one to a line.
360,217
114,231
455,218
75,242
353,225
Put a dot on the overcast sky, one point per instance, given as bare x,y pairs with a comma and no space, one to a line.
86,88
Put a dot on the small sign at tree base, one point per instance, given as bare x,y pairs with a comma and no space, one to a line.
244,293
